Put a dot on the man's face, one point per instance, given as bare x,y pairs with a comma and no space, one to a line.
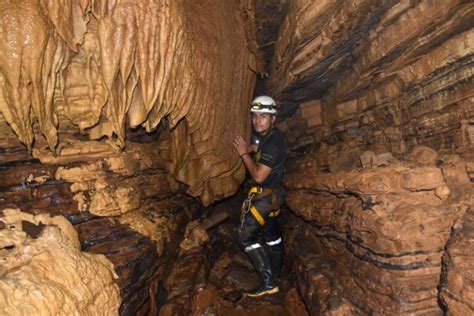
262,122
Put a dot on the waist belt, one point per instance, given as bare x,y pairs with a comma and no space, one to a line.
260,193
274,213
263,193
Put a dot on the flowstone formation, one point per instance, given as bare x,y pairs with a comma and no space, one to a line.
106,66
127,105
111,111
123,204
43,271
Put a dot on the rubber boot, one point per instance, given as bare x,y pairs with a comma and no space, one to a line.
275,254
262,264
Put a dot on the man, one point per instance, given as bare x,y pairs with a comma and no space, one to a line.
262,207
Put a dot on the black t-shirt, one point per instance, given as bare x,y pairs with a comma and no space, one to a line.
272,153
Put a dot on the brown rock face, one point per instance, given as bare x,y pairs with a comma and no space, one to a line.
107,65
123,204
124,106
386,86
43,271
81,73
456,282
382,233
390,75
376,81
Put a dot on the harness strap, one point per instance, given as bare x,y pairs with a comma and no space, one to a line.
260,193
263,193
257,215
274,213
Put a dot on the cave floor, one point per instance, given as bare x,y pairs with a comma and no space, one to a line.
212,279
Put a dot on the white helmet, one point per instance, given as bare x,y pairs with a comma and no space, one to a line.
263,104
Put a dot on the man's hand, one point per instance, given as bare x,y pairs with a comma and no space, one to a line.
241,145
258,172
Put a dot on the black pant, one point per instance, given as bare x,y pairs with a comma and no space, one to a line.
250,227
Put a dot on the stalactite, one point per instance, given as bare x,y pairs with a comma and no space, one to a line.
106,65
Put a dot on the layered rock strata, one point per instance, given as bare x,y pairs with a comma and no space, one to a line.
389,75
315,274
380,234
142,261
367,84
456,292
123,204
268,16
106,65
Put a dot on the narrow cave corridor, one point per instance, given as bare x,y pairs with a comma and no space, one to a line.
120,187
212,274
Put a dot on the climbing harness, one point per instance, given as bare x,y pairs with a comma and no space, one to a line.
259,192
248,207
247,204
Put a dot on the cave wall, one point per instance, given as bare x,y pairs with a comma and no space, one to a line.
386,76
378,108
106,66
376,100
121,204
114,114
384,233
44,271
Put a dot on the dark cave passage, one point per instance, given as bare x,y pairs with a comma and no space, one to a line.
121,186
212,274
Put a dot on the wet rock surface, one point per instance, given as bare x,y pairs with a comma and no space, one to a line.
102,67
212,278
46,273
107,107
380,239
123,205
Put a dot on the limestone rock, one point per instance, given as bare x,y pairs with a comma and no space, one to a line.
368,159
140,242
194,236
382,230
49,272
294,303
423,154
31,56
443,192
456,290
103,66
379,82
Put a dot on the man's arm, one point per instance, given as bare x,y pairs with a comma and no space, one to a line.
258,172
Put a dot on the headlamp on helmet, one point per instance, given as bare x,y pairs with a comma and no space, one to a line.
263,104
